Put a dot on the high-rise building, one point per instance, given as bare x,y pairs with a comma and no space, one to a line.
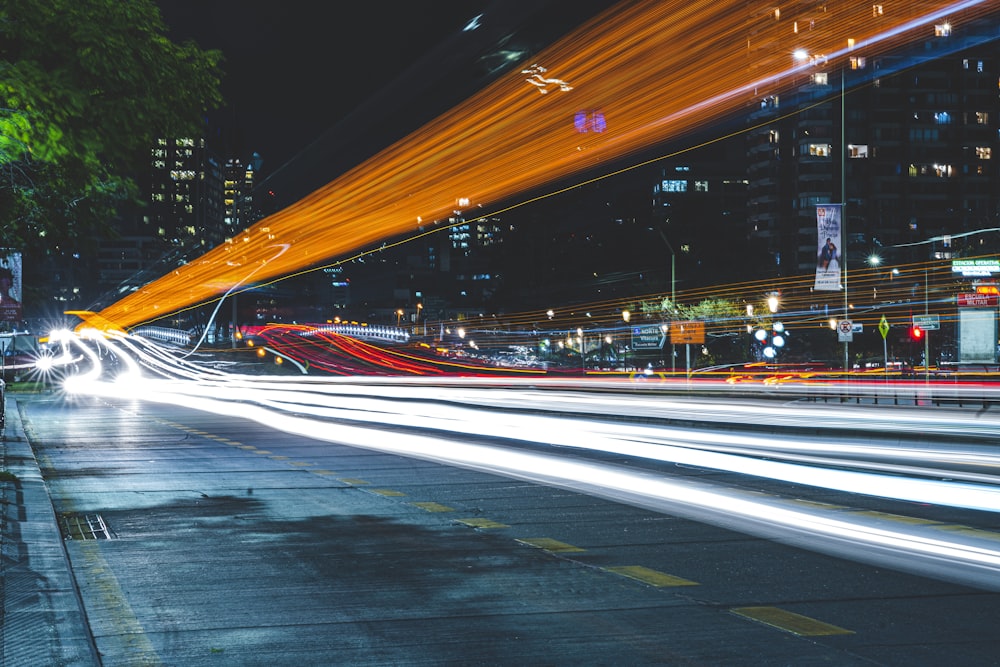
238,182
911,148
185,190
183,217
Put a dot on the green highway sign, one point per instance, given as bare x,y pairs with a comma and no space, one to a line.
927,322
649,336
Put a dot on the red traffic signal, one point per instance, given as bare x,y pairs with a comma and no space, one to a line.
916,333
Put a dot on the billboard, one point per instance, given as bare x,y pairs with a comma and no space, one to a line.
829,243
10,286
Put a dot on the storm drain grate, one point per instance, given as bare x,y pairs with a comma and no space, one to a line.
84,527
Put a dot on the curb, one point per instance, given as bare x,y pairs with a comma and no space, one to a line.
43,622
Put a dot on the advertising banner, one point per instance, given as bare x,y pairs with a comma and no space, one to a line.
829,244
10,286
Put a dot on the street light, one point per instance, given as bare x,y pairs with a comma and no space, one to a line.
399,316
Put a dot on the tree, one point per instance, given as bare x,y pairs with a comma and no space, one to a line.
85,87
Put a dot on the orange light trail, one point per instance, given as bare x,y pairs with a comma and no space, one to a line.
655,70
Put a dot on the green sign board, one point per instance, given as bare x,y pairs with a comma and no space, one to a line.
649,336
975,267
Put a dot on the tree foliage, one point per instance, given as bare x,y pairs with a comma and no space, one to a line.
85,87
708,310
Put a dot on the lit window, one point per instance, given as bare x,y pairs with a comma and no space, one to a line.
701,186
857,150
982,118
675,186
942,30
877,10
820,150
820,78
979,66
858,62
984,152
942,118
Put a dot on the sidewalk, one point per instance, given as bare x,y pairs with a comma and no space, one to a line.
43,622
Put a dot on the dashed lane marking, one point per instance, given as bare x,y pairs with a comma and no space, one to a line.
388,492
789,621
650,576
547,543
433,507
483,523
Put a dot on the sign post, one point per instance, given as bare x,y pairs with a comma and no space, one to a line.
845,331
883,328
927,322
688,333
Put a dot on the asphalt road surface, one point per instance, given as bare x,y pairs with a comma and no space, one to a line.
200,539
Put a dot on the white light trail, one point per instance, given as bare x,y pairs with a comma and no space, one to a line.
446,432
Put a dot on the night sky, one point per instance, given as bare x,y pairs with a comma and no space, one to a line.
317,87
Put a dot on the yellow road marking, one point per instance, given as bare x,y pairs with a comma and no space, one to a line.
482,523
899,518
547,543
433,507
816,504
971,532
261,451
789,621
387,492
353,481
301,464
279,458
135,645
650,576
324,472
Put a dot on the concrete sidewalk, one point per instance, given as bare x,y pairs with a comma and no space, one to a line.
43,621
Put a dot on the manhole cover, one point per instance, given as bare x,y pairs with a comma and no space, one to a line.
84,527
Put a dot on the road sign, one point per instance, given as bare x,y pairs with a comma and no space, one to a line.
845,331
686,333
927,322
649,336
978,301
883,327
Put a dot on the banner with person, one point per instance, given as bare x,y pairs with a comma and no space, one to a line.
10,286
829,244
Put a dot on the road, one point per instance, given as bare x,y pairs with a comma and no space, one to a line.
212,518
234,542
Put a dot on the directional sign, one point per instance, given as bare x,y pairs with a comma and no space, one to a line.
927,322
649,336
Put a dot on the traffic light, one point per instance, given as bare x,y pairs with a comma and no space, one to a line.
916,333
